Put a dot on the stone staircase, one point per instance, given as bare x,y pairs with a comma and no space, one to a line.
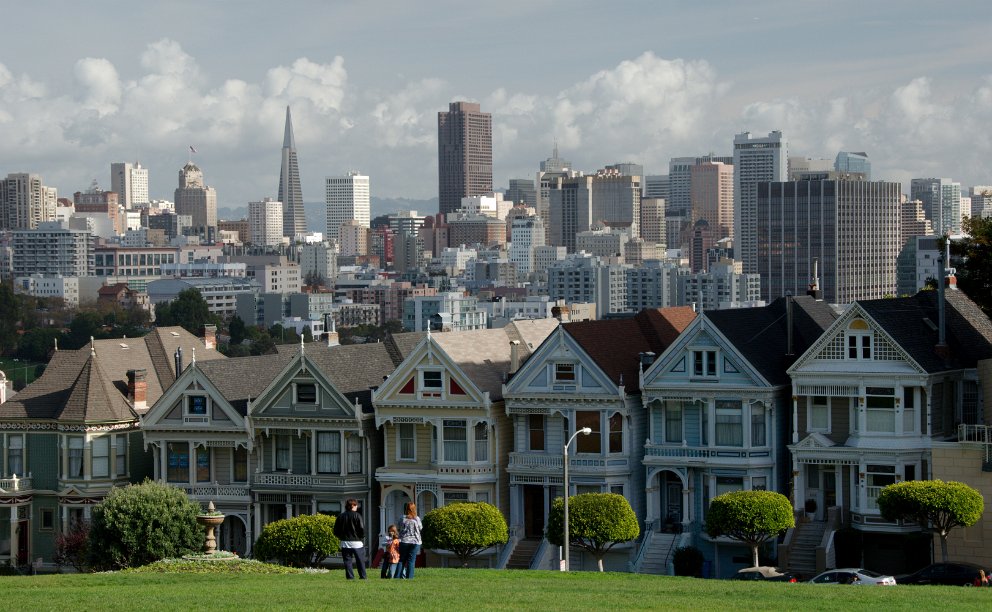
523,553
657,557
802,550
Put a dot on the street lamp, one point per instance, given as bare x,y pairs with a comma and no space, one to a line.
584,431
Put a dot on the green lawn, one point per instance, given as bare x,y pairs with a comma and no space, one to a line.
20,372
460,590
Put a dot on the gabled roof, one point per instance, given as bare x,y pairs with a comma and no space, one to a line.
760,335
913,323
353,369
615,344
79,388
243,378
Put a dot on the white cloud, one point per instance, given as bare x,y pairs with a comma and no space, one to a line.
101,86
322,85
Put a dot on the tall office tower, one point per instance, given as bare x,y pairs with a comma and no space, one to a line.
627,168
522,191
464,154
848,226
616,201
195,199
941,199
680,181
294,220
712,197
656,186
653,221
130,183
527,234
851,161
265,222
756,160
804,165
347,198
96,202
552,168
25,202
981,201
570,209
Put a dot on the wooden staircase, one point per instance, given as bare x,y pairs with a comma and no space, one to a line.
523,553
802,550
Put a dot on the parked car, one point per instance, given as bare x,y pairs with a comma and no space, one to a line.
766,573
957,573
850,575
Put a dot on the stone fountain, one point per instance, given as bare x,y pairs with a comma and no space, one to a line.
210,520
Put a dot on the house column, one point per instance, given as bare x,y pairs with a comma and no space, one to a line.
258,518
192,462
799,485
651,497
13,536
289,508
163,457
65,519
839,469
686,508
795,419
313,456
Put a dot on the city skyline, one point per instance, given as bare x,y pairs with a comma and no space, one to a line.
904,82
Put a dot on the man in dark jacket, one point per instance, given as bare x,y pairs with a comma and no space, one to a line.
350,529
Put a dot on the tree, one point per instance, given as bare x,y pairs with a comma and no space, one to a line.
936,505
465,529
974,272
236,329
189,310
751,517
303,541
596,522
38,343
138,524
9,311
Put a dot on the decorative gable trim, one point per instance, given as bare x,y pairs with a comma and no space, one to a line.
192,379
302,366
537,377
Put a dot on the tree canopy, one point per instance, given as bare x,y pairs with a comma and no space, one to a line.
465,529
936,505
596,523
189,310
974,271
751,517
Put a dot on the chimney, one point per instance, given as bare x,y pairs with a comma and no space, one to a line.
646,359
137,390
561,312
814,284
210,336
331,330
178,358
514,356
788,324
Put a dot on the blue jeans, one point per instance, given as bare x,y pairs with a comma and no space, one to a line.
408,559
353,556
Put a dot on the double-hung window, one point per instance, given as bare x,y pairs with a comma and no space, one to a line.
75,457
673,421
100,448
880,408
729,426
819,413
406,436
591,443
481,442
535,428
354,447
121,455
283,446
455,440
329,452
704,364
177,459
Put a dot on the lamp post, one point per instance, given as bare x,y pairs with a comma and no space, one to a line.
584,431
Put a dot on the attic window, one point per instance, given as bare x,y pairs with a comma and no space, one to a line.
564,372
432,379
306,393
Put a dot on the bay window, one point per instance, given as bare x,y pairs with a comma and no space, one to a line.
673,421
481,442
729,426
121,455
101,456
455,440
591,443
75,457
15,454
177,460
758,427
880,409
202,464
818,413
616,433
354,447
282,458
535,429
240,464
328,452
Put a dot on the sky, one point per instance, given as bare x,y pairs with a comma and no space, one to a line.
84,84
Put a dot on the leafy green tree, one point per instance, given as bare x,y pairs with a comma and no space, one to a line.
263,346
974,272
751,517
189,310
303,541
37,343
9,317
936,505
596,523
236,329
85,325
465,529
141,523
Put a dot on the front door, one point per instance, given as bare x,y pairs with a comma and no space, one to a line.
673,505
22,542
533,511
829,490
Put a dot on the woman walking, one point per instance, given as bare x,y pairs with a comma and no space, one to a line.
410,541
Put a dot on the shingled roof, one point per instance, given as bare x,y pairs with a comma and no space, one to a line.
760,335
616,344
913,323
242,378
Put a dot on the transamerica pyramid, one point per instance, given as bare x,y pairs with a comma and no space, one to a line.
293,219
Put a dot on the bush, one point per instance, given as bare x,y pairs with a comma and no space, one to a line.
750,517
936,505
304,541
138,524
71,548
596,522
688,561
465,529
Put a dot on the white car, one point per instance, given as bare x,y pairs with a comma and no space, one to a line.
853,575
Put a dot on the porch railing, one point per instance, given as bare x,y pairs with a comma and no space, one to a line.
217,491
555,462
980,434
15,484
635,565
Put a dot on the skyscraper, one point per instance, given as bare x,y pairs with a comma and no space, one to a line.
130,183
941,199
853,161
265,222
465,154
195,199
347,199
756,160
848,226
712,197
25,202
293,219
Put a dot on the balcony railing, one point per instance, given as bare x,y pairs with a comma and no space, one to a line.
464,469
980,434
15,484
308,481
554,462
215,492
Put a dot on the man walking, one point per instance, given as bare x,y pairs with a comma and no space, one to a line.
350,529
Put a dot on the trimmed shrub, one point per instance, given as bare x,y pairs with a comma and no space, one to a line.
596,522
142,523
688,561
936,505
303,541
750,517
465,529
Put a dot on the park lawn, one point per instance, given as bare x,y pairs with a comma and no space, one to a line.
21,373
435,589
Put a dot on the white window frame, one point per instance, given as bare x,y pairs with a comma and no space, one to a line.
120,455
103,441
188,405
811,405
451,497
565,372
328,435
531,430
70,446
399,441
709,359
444,441
431,388
316,393
484,427
275,453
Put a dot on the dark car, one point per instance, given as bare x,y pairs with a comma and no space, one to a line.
766,573
956,573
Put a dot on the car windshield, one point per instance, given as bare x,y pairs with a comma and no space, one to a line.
871,574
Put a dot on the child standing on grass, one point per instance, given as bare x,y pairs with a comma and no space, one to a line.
391,554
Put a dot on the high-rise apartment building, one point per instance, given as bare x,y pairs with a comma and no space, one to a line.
844,228
465,154
712,196
197,200
680,181
347,197
130,183
95,201
913,225
577,203
941,199
294,220
653,221
522,191
981,201
265,222
853,161
527,233
53,250
25,201
570,209
756,160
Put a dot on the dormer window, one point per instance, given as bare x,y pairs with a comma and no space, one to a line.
704,363
197,405
306,393
432,380
858,340
564,372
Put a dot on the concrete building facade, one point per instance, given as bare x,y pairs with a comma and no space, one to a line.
465,154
